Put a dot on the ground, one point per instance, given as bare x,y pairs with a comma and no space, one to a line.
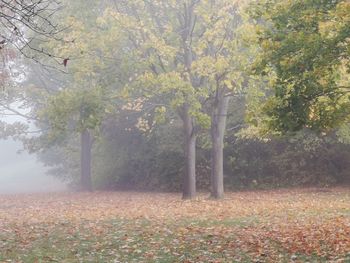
304,225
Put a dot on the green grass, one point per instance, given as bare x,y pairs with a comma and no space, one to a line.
125,241
137,241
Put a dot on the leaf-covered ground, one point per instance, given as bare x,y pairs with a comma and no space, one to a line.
309,225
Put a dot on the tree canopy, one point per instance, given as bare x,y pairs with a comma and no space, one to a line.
305,50
173,94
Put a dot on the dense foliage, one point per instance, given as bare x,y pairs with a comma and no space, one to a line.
305,50
170,95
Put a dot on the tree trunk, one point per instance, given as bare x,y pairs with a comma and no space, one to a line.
189,182
187,25
218,127
85,161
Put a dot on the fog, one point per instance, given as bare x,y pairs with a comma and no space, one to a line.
22,173
174,131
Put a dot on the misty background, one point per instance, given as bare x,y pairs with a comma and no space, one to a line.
21,172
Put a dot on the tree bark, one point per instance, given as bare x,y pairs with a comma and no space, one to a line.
85,161
218,127
189,182
188,22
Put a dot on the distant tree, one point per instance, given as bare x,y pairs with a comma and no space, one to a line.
88,93
305,52
74,104
71,112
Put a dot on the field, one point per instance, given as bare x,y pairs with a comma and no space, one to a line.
302,225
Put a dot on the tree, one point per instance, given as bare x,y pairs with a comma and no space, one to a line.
187,55
221,63
305,50
82,98
86,98
76,111
161,36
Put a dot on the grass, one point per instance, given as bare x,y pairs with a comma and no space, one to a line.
268,226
